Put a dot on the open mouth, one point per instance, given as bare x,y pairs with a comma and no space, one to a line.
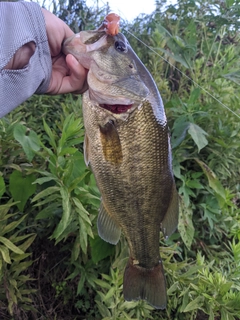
116,108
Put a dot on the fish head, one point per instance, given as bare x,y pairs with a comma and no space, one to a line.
114,78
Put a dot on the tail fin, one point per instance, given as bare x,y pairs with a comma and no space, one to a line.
146,284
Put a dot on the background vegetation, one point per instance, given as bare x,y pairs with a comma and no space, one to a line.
53,265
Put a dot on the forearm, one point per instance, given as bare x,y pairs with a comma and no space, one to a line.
33,74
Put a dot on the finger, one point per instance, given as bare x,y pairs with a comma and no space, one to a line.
68,31
57,32
77,80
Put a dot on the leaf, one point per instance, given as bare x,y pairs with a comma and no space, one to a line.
24,246
47,212
21,188
45,193
102,284
191,272
194,96
81,283
44,180
225,315
233,76
173,288
24,279
214,183
88,195
10,245
2,186
194,305
76,181
50,134
177,57
28,140
225,287
163,30
5,254
179,131
81,210
83,234
198,135
69,150
53,199
100,249
19,257
9,227
194,184
185,299
13,282
66,205
211,314
5,208
102,308
22,266
110,294
185,225
76,249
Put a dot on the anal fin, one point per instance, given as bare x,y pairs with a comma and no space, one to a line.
108,230
145,284
170,221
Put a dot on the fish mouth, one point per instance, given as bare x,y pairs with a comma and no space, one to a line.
116,108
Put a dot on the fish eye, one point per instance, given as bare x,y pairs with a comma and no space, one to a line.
120,46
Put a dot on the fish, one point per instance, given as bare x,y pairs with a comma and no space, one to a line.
127,147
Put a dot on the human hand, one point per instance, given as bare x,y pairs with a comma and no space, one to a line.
67,73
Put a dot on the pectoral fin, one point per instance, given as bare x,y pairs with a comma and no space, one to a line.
111,144
85,149
108,230
170,221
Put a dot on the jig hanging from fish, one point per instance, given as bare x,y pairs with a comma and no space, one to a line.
110,24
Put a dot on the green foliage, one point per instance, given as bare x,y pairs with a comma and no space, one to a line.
53,265
28,139
111,303
13,261
21,188
63,182
77,14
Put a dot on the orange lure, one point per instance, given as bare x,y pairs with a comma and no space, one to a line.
111,24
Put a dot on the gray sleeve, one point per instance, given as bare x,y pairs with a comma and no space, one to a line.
20,23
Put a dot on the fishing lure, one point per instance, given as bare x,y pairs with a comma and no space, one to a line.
110,24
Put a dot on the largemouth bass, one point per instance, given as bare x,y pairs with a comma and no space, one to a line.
127,147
